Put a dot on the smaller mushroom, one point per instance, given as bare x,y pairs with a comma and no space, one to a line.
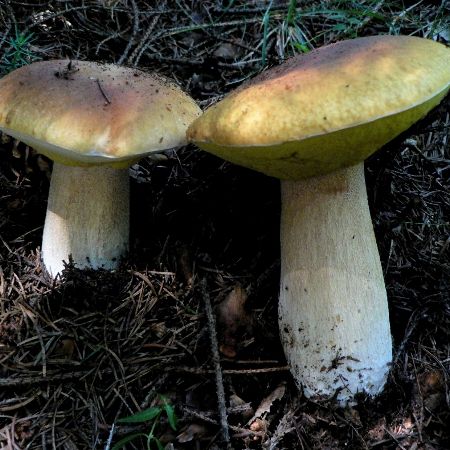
93,120
311,122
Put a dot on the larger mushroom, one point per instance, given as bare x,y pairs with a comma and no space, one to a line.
311,122
94,121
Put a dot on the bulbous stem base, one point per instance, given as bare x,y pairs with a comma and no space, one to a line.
334,319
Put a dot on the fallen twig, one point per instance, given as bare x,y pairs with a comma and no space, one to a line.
216,361
200,371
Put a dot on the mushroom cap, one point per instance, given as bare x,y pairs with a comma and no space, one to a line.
327,109
86,113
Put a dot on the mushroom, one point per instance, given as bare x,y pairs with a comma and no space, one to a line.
311,122
93,120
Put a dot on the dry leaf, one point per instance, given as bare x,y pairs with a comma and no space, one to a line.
191,432
233,321
185,265
430,390
285,426
266,404
431,382
66,348
240,406
227,51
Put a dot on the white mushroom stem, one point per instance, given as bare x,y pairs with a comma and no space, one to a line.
87,218
334,319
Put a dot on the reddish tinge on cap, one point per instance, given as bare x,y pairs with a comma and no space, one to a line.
327,109
86,113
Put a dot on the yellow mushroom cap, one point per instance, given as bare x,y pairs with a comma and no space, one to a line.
327,109
86,113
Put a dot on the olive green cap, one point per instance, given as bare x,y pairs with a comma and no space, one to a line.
86,113
327,109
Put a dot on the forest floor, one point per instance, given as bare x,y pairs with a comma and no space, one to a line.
80,352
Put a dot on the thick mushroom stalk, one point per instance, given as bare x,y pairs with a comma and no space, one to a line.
334,319
87,218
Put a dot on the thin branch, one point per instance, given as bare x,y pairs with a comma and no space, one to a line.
216,362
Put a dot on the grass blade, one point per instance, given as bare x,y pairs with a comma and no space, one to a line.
142,416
